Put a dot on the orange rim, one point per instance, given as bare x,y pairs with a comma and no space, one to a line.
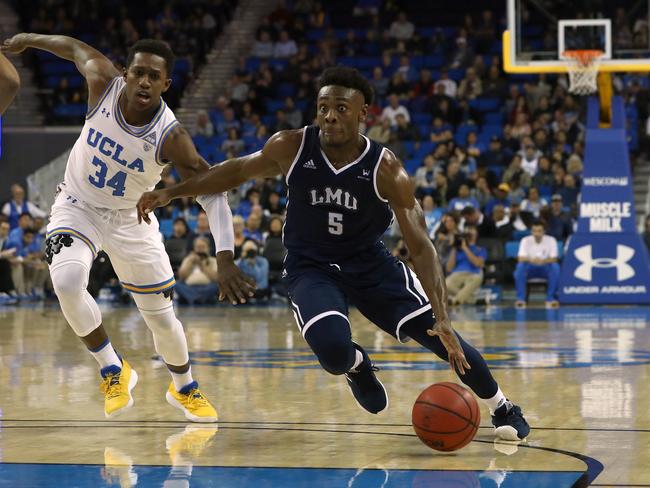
583,56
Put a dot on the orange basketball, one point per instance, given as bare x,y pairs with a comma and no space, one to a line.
446,416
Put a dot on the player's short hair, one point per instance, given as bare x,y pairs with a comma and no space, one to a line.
349,78
153,46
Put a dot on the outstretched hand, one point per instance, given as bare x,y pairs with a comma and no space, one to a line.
445,332
234,285
15,44
149,201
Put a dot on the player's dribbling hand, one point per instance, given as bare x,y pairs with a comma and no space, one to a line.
445,332
234,285
15,44
149,201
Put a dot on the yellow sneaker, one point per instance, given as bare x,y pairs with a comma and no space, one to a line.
196,407
186,446
117,390
118,468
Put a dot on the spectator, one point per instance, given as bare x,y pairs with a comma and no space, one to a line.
499,226
559,224
544,176
445,237
500,198
379,82
25,221
404,130
281,121
432,214
455,177
380,132
425,176
569,191
178,243
424,88
274,205
406,69
534,203
441,189
202,229
646,232
401,29
234,143
399,86
516,218
203,126
462,55
515,172
18,205
495,155
441,132
238,230
256,267
396,146
450,88
530,159
6,283
274,251
481,192
28,270
285,47
495,85
464,199
465,268
263,47
470,87
228,122
253,229
252,198
293,113
197,275
537,258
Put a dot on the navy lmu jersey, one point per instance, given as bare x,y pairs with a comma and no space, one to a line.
334,214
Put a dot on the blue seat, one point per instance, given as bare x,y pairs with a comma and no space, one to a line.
493,118
286,90
421,118
274,105
409,146
411,165
512,249
520,234
425,148
166,227
486,104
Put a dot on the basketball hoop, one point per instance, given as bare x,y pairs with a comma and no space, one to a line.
582,66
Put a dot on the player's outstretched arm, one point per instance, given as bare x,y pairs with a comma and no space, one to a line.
274,159
395,185
93,65
9,83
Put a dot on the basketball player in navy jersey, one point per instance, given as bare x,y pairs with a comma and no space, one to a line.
344,190
9,83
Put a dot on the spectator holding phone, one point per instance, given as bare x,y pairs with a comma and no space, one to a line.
465,267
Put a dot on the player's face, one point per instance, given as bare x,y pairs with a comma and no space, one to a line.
146,79
339,112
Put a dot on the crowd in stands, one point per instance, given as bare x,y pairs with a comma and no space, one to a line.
111,27
492,156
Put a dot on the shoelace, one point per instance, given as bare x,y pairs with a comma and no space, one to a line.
111,385
195,398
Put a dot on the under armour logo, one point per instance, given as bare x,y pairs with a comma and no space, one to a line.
309,164
365,172
105,112
623,270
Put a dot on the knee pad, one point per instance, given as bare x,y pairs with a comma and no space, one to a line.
331,341
69,279
169,337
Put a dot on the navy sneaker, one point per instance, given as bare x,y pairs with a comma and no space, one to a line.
368,391
509,423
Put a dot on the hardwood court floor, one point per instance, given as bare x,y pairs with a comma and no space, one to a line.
581,375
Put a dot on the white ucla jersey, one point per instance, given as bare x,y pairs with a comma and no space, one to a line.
112,163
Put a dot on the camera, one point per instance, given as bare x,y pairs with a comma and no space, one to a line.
458,240
251,253
202,255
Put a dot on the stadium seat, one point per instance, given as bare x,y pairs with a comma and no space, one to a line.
166,227
512,249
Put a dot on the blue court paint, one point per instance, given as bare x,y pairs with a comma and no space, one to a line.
94,476
409,358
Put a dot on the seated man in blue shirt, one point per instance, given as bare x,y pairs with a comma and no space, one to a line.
465,267
256,267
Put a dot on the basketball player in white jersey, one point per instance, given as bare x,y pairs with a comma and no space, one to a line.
9,83
128,136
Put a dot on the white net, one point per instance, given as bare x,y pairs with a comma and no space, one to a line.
583,71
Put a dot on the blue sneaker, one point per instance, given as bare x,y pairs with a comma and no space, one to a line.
368,391
509,423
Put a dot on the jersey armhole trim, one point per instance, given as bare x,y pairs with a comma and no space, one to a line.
161,142
374,175
92,111
298,154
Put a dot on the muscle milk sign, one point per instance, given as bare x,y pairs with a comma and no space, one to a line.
606,261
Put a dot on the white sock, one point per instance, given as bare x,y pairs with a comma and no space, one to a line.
496,401
182,379
106,355
357,361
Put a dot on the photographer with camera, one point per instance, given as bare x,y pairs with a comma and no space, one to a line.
256,267
445,237
465,267
197,275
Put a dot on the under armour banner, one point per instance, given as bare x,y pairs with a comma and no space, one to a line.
606,260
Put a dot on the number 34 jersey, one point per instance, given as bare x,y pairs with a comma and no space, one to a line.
113,163
334,214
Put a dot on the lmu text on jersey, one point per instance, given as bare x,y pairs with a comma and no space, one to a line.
337,197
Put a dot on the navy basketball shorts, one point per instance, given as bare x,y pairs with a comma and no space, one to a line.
382,288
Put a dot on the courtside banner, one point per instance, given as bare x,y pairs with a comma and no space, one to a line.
607,261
